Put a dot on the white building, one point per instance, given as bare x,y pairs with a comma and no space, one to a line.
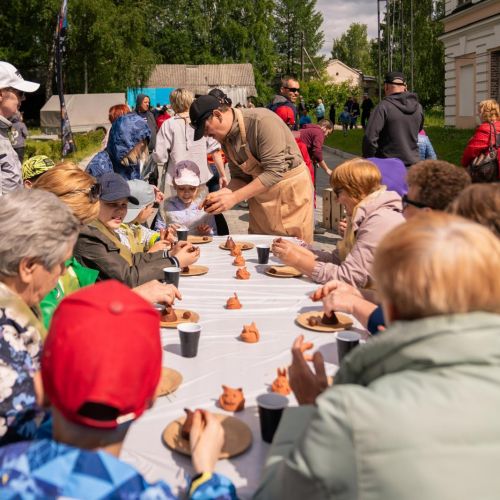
338,72
472,58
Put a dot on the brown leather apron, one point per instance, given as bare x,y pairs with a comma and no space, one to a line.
284,209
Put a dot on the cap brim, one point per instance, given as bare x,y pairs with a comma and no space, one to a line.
111,198
199,130
132,214
25,86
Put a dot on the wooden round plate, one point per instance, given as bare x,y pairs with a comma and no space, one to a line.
344,322
199,240
179,312
195,271
245,245
170,381
283,272
237,436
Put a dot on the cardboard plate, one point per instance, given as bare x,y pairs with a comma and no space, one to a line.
199,240
195,270
170,381
283,272
179,312
237,436
344,322
245,245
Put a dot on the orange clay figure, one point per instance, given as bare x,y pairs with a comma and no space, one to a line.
235,251
232,399
239,261
280,384
242,274
230,244
168,315
250,334
233,302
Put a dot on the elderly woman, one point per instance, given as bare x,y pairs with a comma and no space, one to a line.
175,142
80,192
38,235
483,138
422,397
372,212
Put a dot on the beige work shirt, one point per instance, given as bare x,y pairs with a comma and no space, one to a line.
270,141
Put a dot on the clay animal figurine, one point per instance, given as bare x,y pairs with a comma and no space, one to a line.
313,320
233,302
280,384
188,423
250,333
186,315
230,244
232,399
330,320
236,251
239,261
242,274
168,315
185,269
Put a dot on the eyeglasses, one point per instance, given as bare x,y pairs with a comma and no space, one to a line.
407,201
293,89
19,94
93,191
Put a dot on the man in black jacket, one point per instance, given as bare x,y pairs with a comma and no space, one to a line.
395,123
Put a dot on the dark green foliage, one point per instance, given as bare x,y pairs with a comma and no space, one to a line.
353,48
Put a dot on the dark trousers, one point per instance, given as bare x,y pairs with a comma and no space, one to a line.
20,154
364,119
213,185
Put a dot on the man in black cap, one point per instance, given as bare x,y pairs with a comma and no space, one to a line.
395,123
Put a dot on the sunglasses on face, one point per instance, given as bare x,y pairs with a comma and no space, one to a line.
18,93
407,201
93,191
293,89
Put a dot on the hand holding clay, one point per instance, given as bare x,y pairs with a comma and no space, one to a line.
220,201
158,293
331,286
203,229
206,441
185,254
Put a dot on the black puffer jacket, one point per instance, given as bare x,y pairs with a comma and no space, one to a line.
393,129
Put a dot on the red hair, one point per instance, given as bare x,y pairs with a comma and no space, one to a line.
116,111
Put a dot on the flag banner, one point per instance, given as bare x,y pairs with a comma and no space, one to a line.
68,145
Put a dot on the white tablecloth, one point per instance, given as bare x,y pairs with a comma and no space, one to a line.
273,304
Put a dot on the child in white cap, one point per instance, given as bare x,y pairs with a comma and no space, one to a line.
184,209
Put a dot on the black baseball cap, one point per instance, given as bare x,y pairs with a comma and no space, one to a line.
115,187
201,109
395,77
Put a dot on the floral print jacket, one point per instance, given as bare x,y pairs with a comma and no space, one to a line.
20,350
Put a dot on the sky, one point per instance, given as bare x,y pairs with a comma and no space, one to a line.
339,14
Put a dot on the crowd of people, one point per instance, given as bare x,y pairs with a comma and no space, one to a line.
82,255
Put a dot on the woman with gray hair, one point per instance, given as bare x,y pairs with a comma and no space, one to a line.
38,233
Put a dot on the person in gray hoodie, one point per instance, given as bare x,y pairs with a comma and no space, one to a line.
372,212
142,109
394,124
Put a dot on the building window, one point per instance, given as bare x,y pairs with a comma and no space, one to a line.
495,75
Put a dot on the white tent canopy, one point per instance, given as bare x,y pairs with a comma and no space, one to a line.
85,111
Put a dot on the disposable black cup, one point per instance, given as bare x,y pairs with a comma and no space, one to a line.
182,234
346,342
263,253
189,335
171,275
271,406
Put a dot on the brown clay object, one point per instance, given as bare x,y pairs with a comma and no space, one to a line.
314,320
250,333
272,270
280,384
330,320
230,244
168,315
232,399
185,269
242,274
188,423
192,249
186,315
205,238
239,261
233,302
236,251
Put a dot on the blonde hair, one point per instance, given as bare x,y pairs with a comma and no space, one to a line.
489,110
357,177
66,180
181,99
436,264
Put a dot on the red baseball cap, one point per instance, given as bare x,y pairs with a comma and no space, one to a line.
286,114
102,358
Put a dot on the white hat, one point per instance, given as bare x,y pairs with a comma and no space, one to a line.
187,173
10,77
145,195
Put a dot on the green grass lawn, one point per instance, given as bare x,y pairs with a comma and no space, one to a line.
449,143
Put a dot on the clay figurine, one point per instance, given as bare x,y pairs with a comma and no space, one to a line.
185,269
233,302
239,261
250,334
313,320
230,244
186,315
192,249
330,320
232,399
242,274
188,423
280,384
236,251
205,238
168,315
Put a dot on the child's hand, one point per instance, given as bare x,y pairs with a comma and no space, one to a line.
204,229
159,245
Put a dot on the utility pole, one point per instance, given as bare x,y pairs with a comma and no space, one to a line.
302,48
411,44
379,54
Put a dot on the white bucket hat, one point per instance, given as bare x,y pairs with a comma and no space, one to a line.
187,173
10,77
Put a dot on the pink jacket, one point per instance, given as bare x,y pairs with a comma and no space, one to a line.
371,223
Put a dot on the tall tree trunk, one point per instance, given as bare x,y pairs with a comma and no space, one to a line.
85,76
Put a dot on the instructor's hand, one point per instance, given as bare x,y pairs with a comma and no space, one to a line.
220,201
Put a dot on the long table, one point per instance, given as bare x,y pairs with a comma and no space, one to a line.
273,304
